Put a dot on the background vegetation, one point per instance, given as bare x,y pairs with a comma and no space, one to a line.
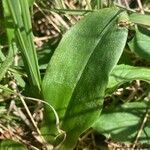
38,61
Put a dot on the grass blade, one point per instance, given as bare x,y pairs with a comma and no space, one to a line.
23,30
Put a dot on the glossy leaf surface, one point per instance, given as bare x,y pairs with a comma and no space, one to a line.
78,72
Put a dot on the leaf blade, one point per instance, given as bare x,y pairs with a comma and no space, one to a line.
21,19
125,73
140,19
70,70
125,120
140,43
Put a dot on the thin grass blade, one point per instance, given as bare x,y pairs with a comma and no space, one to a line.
23,31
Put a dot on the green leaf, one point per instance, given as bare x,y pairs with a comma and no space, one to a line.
124,73
4,66
2,57
140,43
22,22
8,90
19,79
11,145
31,2
140,19
122,123
8,22
78,72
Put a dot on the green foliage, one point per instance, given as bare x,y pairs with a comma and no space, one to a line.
125,73
2,57
20,14
123,123
141,19
6,89
8,22
30,2
4,66
11,145
44,55
82,71
78,72
140,43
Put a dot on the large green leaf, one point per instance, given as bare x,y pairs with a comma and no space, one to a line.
126,73
124,122
78,72
140,43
